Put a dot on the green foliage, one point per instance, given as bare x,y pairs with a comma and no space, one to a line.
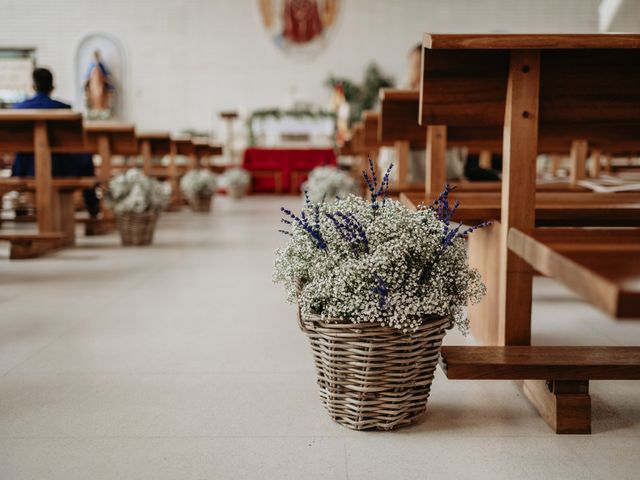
362,97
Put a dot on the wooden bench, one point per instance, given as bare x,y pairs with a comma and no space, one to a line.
399,123
43,132
554,379
586,86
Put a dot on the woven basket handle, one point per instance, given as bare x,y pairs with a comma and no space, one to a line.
300,322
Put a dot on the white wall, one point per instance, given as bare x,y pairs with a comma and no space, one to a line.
187,60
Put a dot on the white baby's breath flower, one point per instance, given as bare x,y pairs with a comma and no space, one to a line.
400,271
198,182
327,183
137,193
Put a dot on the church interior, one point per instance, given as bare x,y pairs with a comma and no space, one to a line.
332,239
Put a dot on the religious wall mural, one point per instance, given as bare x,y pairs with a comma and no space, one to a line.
99,76
299,28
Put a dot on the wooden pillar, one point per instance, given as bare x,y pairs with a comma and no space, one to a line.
45,204
564,404
485,160
608,162
436,158
104,150
403,152
554,163
595,169
173,174
147,157
520,150
578,160
194,161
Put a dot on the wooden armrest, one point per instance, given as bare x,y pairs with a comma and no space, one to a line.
601,265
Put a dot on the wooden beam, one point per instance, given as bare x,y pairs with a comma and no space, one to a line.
578,160
45,203
463,362
436,159
403,152
564,405
518,193
600,265
595,168
147,159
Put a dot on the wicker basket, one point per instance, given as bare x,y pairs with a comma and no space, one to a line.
201,202
237,191
372,376
136,228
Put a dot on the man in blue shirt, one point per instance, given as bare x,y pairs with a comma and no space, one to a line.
62,165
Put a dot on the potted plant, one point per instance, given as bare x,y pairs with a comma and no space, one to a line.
199,186
137,200
329,183
377,286
236,181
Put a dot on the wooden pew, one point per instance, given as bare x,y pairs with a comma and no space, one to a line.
534,85
205,151
43,132
399,122
107,138
557,378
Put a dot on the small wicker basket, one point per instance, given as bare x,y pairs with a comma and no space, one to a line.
137,228
370,376
201,202
237,191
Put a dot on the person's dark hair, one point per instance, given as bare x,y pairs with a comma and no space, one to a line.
417,48
43,80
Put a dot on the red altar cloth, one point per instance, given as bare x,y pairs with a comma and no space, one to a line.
286,161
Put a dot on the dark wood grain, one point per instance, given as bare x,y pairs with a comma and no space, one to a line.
531,41
541,363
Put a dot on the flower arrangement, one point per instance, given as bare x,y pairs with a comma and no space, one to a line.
377,261
329,183
236,181
134,192
197,183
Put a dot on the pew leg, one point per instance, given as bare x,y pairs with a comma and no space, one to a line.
65,217
564,404
484,255
24,249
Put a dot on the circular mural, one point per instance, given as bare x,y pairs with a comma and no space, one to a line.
299,27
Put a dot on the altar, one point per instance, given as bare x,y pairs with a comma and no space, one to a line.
281,169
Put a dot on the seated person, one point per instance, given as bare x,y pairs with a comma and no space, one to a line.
62,165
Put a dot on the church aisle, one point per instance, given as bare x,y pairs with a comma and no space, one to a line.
182,360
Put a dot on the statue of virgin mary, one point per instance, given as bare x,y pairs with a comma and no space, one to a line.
99,89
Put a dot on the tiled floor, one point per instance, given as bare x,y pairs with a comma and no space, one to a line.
182,361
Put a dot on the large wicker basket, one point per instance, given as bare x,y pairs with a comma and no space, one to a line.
372,376
201,202
136,228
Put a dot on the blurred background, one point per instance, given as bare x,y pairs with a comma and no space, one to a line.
176,63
